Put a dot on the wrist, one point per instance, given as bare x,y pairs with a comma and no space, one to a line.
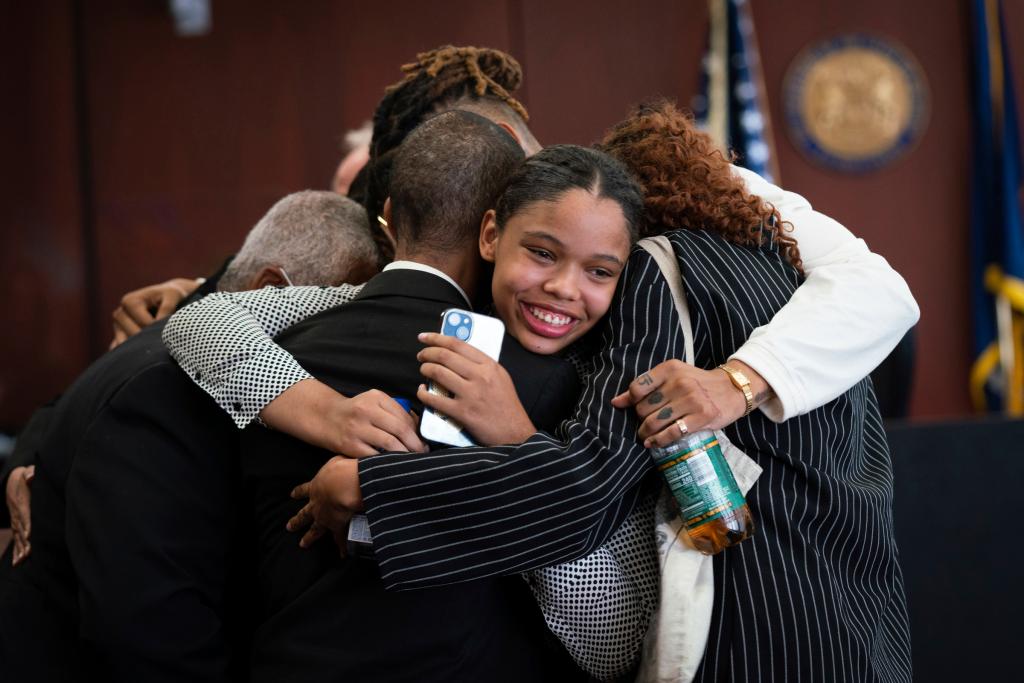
525,430
760,390
302,410
350,495
741,384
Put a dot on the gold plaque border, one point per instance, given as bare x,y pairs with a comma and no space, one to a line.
799,132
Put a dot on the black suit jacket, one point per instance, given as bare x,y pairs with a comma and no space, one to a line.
31,436
132,517
331,619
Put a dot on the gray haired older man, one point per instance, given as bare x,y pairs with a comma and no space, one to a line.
138,432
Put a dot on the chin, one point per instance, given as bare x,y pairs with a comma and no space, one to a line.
548,346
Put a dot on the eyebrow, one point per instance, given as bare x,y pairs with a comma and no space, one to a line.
540,234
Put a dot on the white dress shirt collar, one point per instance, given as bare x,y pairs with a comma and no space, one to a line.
424,268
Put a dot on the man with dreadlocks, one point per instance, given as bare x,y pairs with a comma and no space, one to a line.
474,79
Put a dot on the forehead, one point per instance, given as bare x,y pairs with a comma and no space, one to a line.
577,218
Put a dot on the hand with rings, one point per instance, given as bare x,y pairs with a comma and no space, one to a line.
674,398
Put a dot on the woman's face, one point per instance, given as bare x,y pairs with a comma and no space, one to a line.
556,264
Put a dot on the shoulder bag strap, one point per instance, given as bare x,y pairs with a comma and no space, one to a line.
665,256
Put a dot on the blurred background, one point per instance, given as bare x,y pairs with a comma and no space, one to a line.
134,153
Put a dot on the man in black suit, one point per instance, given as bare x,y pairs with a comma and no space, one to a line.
137,478
330,618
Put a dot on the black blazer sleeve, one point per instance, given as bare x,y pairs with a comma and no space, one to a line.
463,514
558,399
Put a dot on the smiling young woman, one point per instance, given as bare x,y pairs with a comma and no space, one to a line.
557,263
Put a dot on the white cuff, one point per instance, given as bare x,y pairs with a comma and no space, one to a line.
790,398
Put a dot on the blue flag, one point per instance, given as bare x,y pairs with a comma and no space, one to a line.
733,107
997,234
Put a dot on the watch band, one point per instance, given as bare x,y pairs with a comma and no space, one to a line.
740,381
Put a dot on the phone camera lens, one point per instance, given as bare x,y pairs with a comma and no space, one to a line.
462,333
454,319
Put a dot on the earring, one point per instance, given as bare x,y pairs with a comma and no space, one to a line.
380,219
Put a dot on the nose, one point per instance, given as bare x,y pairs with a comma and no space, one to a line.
563,284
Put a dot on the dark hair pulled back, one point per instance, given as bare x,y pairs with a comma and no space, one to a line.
555,170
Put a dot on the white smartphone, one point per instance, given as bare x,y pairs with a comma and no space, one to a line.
480,331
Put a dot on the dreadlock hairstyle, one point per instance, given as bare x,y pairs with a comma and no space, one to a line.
688,183
434,81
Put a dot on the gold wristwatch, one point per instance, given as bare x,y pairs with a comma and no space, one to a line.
740,381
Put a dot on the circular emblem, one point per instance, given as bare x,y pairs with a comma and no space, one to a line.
855,102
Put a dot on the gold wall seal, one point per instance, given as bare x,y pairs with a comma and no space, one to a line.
855,102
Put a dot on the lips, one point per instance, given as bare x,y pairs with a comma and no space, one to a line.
547,322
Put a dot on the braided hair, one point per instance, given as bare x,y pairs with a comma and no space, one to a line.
436,79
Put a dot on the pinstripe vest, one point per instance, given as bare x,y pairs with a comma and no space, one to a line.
817,594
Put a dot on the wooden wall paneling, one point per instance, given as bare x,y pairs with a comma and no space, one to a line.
587,63
195,137
913,211
376,39
43,302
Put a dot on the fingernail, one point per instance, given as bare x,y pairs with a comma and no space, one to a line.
421,336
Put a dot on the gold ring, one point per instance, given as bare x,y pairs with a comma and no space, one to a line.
681,423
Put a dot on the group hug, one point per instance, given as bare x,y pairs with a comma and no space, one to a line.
182,512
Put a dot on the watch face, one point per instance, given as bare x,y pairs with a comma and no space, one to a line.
740,381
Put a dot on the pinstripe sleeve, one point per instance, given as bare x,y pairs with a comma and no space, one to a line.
464,514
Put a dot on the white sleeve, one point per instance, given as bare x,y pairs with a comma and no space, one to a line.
846,317
224,342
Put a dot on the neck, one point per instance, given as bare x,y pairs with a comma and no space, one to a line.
463,267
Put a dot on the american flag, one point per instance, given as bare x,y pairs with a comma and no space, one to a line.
732,106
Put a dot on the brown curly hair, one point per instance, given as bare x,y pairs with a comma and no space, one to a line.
688,182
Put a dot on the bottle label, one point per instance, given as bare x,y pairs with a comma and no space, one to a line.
700,479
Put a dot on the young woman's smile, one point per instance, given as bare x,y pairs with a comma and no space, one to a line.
556,264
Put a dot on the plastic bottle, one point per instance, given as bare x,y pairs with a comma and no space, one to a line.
712,507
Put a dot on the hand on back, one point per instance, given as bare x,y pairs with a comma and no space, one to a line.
672,391
143,307
366,424
18,504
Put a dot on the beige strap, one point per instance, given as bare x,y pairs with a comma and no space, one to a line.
665,256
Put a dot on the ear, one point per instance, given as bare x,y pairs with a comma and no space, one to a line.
268,275
488,236
511,131
389,231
